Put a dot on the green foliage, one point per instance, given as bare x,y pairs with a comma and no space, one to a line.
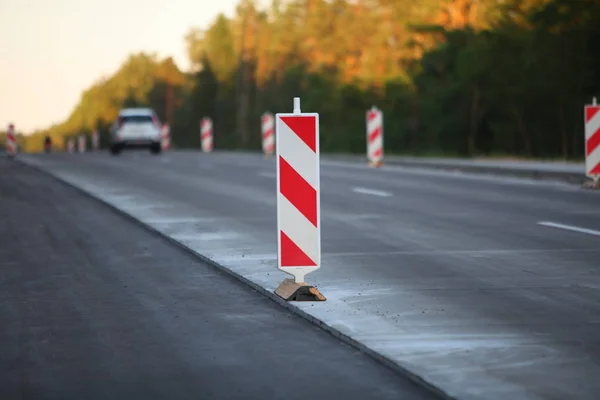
453,77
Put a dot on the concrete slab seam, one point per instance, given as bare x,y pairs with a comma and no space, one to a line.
389,363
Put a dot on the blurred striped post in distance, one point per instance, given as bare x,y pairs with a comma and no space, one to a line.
375,137
592,142
11,141
298,202
95,141
81,143
165,137
206,135
71,145
268,134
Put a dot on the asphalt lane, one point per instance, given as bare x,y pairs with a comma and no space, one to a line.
487,287
94,307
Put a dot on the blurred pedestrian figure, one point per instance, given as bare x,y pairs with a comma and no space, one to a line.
47,144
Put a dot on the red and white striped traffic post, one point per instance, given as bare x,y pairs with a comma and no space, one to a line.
165,137
81,143
95,140
268,133
298,202
206,134
71,145
375,137
592,142
11,141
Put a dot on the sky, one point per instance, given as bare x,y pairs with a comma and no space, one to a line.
52,50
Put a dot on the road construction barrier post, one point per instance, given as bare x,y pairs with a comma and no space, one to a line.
298,202
95,140
592,142
268,133
206,134
375,137
11,141
71,145
81,143
165,137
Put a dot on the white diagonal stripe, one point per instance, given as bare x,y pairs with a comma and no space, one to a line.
206,125
267,124
268,129
592,160
374,123
268,143
299,229
592,126
207,143
297,153
374,145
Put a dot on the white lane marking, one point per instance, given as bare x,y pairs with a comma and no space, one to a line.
569,228
371,192
270,175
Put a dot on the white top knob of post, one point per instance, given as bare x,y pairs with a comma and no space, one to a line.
297,105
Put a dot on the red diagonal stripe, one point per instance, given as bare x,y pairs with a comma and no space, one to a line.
267,133
371,115
292,255
377,153
305,128
298,192
376,132
593,142
590,112
596,170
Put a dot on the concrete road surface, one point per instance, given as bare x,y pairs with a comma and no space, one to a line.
92,306
571,172
500,164
487,288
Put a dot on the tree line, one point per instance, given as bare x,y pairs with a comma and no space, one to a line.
453,77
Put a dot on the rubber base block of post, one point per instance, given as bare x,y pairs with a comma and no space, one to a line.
591,184
375,164
292,291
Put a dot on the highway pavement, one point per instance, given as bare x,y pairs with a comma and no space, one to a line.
571,172
484,287
93,306
499,163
